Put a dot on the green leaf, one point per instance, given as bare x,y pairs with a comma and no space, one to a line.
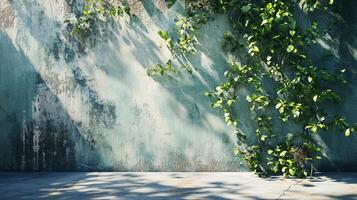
315,98
235,124
208,94
312,128
164,35
281,109
283,153
127,10
269,6
292,171
284,169
264,22
310,79
230,102
246,8
169,66
292,33
348,132
217,104
290,48
263,137
290,162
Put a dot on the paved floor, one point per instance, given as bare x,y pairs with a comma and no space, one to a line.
144,186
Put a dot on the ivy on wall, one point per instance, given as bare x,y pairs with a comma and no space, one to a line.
287,91
95,11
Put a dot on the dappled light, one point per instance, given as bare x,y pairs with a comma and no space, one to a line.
140,99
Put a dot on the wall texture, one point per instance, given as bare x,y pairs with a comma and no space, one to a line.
69,105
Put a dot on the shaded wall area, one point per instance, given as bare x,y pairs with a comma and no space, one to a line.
339,49
37,134
88,105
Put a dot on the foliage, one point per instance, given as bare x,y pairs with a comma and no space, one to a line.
160,69
94,11
288,94
185,32
287,89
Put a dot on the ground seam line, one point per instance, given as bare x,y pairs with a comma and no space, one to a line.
287,189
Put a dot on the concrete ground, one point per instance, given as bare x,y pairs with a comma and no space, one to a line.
142,186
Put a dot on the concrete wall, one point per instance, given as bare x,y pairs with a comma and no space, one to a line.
69,105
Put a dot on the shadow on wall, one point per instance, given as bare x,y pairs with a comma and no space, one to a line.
146,125
341,151
20,87
165,124
50,128
340,42
31,138
339,49
131,121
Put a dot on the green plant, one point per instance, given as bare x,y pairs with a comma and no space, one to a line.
186,31
184,40
94,11
161,69
286,88
285,85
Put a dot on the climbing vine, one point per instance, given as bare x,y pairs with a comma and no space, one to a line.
186,30
95,11
288,93
286,88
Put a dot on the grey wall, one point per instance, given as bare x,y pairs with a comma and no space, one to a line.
67,105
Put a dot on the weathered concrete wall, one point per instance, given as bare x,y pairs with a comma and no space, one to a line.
62,109
66,105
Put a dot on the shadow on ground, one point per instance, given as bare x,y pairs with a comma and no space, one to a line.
173,186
